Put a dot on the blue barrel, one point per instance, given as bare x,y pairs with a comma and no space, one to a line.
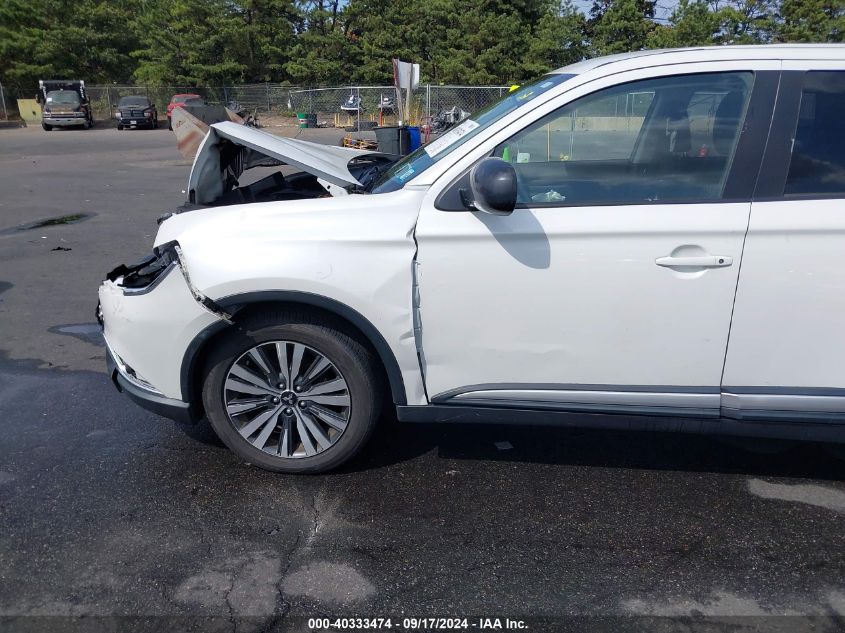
414,134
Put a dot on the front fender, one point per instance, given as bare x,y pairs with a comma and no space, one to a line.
352,256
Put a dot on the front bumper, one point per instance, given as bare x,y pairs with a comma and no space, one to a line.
64,121
150,400
135,121
149,331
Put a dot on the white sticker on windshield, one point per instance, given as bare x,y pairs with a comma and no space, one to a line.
438,145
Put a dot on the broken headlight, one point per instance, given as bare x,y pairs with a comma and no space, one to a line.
145,272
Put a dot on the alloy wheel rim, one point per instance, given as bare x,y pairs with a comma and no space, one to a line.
287,399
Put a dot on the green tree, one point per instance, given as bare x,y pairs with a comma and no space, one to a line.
559,39
476,41
263,37
213,42
618,26
746,21
188,42
43,39
811,21
326,48
692,23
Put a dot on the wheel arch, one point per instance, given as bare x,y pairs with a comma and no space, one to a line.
239,306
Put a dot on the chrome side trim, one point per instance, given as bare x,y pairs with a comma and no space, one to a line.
567,387
786,391
752,403
625,398
796,402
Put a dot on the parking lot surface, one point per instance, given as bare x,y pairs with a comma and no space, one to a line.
111,516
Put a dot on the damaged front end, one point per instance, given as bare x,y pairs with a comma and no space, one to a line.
236,164
143,274
150,313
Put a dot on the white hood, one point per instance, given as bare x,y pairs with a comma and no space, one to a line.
207,179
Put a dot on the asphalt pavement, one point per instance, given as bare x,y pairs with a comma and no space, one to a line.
114,519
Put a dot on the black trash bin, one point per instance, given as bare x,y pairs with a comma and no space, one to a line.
393,139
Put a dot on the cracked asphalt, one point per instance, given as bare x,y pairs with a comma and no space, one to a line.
114,519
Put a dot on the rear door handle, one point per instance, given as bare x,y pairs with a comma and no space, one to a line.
695,261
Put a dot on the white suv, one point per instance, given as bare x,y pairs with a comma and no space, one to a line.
659,234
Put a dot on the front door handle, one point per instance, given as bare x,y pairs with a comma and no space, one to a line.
695,261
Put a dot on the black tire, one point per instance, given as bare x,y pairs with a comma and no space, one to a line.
356,364
169,124
46,127
119,127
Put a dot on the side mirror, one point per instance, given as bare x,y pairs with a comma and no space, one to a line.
492,184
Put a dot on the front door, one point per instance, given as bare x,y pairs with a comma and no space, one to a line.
611,285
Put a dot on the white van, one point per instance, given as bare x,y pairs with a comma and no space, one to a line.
658,236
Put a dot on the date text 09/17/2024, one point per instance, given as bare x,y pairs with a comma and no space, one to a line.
415,623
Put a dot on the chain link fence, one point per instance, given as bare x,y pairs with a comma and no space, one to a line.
356,107
361,107
351,107
4,108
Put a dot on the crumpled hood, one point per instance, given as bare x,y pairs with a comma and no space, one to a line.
229,147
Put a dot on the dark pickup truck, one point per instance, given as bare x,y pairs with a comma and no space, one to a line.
64,103
136,111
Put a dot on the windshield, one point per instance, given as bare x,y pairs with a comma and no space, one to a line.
65,97
134,101
181,98
424,157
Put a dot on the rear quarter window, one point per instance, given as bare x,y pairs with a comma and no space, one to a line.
817,164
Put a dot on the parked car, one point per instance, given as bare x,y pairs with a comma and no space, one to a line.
136,111
180,100
653,237
64,103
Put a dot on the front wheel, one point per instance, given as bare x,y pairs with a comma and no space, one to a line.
46,127
292,393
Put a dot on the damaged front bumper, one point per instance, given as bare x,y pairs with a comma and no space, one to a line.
147,398
150,316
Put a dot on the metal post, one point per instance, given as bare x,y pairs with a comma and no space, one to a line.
358,111
268,96
3,99
428,103
108,101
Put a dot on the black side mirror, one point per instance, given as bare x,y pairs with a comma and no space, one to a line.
492,187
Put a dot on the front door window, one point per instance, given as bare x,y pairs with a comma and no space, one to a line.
669,139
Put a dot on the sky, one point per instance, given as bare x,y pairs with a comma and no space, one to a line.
662,13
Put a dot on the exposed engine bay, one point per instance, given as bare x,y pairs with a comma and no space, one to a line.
239,163
235,164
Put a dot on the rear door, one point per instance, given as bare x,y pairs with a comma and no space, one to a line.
786,355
